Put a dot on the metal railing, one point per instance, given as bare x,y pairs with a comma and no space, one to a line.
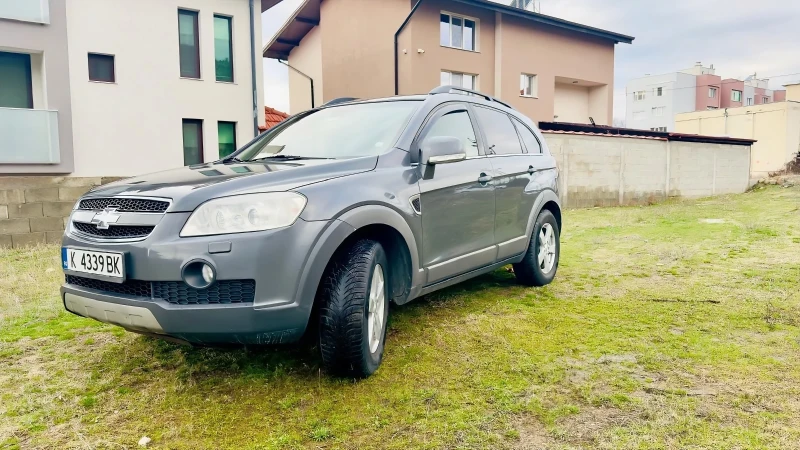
29,136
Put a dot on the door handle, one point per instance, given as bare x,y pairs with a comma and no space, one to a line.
483,179
531,170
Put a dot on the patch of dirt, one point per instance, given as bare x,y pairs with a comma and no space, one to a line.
532,435
591,423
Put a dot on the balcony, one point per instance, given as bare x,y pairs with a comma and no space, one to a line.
29,136
37,11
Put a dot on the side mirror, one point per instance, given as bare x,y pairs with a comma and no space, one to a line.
442,150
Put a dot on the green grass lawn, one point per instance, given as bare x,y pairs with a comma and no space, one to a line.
670,326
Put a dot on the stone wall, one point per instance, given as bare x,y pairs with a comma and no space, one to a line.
613,170
35,209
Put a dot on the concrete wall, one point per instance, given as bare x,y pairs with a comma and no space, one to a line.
775,126
612,171
34,210
47,45
134,125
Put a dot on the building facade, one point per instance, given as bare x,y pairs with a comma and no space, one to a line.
547,68
653,100
114,88
774,126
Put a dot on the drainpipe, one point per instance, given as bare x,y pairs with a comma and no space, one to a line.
311,80
253,67
396,58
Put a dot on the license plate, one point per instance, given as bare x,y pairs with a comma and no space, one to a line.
108,264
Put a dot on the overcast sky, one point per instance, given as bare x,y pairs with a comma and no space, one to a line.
740,37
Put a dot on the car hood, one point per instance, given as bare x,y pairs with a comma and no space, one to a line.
190,186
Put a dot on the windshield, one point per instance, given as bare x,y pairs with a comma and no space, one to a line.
347,131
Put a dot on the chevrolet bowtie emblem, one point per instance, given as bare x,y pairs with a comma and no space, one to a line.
105,217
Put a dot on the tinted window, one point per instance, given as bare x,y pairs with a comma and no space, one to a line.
192,141
223,48
456,124
500,133
227,138
101,68
528,138
189,50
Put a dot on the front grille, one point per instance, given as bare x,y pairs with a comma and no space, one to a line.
221,293
125,204
114,231
134,288
224,292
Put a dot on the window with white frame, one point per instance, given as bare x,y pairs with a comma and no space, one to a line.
659,91
464,80
749,101
458,32
712,92
638,96
659,111
736,96
639,115
528,85
766,100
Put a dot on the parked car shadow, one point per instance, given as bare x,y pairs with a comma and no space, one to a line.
300,359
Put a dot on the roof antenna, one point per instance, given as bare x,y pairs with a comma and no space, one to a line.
592,120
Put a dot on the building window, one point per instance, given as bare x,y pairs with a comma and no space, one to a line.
712,92
749,101
662,129
711,108
189,41
528,85
192,142
639,115
16,88
464,80
638,96
458,32
659,92
766,100
659,111
223,48
736,96
101,68
227,138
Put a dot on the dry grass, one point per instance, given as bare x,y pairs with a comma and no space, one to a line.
671,326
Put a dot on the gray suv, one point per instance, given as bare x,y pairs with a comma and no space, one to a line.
319,224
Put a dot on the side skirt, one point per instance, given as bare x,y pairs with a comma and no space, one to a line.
466,276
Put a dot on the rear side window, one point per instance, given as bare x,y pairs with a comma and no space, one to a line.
528,138
456,124
501,137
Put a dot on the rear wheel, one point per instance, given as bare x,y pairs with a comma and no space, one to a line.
354,308
540,263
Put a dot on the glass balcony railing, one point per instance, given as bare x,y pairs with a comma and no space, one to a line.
37,11
29,136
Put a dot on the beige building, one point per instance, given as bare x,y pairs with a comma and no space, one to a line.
548,68
775,127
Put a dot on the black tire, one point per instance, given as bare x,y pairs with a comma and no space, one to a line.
528,271
344,340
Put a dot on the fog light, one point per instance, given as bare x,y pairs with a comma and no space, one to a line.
199,274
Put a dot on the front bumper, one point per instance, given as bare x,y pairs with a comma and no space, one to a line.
277,260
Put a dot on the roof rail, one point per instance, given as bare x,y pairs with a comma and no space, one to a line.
336,101
465,91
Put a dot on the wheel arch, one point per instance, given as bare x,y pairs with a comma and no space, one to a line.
547,200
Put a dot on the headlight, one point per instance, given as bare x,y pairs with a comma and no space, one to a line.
244,213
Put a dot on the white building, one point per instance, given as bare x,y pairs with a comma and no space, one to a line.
653,101
116,88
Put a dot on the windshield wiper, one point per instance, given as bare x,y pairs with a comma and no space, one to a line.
283,157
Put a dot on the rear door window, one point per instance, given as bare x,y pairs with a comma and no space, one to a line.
501,136
528,138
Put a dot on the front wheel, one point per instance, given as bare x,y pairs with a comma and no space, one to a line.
354,308
540,263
